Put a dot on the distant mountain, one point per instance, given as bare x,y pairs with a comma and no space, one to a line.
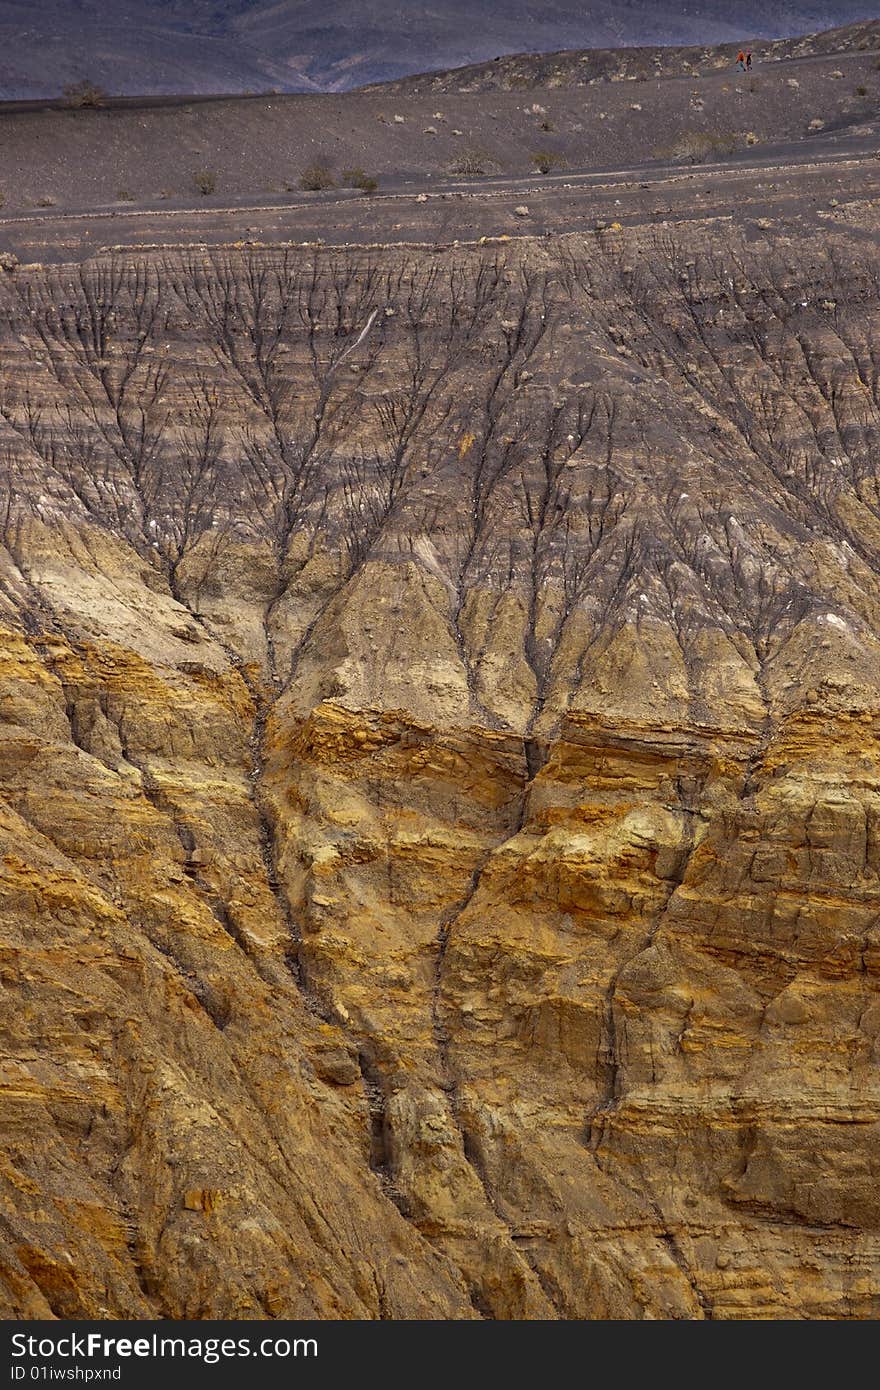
193,46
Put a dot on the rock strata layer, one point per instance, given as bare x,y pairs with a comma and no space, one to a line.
440,781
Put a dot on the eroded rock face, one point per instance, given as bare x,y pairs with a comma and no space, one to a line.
440,782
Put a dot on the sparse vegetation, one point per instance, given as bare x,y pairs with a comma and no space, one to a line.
861,90
123,196
471,164
545,161
546,124
315,178
358,178
85,93
205,181
695,146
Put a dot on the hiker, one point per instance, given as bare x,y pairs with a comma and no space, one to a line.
749,61
741,60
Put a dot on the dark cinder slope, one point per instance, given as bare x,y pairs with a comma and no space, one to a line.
563,113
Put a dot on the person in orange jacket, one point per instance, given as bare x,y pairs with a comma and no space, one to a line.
741,60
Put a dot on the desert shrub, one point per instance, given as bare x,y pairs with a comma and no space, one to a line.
545,161
472,164
315,178
85,93
123,196
205,181
546,124
695,146
358,178
861,91
45,202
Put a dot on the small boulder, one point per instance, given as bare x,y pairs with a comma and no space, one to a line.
788,1008
336,1066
